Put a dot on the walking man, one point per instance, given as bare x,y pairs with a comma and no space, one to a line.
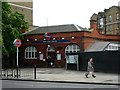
90,68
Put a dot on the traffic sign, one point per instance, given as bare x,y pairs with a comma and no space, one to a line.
17,42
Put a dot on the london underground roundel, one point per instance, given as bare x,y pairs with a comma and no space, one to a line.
17,42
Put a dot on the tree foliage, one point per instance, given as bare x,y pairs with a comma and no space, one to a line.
12,24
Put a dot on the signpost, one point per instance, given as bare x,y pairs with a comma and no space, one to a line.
17,43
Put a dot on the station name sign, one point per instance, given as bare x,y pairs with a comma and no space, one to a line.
50,41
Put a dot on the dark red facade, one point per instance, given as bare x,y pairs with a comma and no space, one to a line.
59,41
42,47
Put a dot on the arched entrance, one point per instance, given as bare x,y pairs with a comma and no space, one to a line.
72,60
50,54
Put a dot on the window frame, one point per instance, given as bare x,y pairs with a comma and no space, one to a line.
72,48
112,47
59,56
41,56
110,18
117,16
101,23
30,52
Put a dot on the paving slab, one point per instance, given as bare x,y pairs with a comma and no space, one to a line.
63,75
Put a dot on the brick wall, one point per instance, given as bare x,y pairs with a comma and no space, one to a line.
81,38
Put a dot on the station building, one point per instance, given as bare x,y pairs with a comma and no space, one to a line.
53,42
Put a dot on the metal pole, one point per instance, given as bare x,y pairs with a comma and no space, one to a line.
35,72
17,56
66,64
66,60
17,62
77,63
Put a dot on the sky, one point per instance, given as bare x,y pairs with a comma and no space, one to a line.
59,12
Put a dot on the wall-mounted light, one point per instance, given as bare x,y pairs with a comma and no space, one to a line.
35,39
39,52
48,46
73,37
27,40
63,38
43,59
44,39
53,38
58,51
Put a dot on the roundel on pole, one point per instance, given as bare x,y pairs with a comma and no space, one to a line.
17,42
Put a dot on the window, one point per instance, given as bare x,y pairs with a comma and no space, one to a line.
112,47
117,16
101,23
58,56
117,26
41,56
50,49
110,18
72,48
107,27
72,59
30,53
110,27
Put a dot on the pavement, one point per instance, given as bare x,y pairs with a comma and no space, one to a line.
71,76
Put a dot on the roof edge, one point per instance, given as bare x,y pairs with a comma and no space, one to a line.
25,7
77,27
30,30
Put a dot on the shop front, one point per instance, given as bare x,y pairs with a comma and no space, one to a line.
48,54
49,46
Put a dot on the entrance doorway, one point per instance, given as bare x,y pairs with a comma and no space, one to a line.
72,60
50,54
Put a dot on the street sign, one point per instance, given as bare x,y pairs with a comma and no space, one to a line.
17,42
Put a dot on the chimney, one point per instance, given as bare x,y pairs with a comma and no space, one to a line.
93,22
119,3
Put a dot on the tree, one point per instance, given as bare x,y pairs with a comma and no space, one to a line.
12,24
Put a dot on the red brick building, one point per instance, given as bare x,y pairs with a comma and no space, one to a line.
53,42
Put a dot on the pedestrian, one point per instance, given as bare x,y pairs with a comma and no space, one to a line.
90,68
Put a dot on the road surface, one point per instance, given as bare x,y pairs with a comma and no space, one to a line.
33,84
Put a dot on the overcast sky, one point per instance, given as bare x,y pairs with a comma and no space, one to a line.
59,12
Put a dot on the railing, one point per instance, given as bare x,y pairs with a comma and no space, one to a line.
19,73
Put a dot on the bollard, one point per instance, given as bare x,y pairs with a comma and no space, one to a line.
17,72
7,73
35,72
12,73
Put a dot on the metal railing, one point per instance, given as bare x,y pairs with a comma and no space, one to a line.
19,73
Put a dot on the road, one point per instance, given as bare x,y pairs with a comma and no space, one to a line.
33,84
